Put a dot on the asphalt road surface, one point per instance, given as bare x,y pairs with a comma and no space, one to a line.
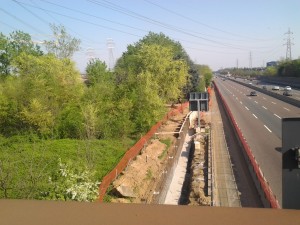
259,118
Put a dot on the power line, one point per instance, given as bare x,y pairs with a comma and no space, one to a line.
98,17
21,21
84,21
82,37
8,25
32,13
203,24
130,13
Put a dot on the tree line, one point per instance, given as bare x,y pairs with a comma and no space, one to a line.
44,93
284,68
60,135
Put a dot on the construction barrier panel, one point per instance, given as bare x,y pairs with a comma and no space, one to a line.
134,151
270,197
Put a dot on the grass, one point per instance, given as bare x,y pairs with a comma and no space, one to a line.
26,163
167,142
149,174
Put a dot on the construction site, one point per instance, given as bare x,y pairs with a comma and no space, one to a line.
184,164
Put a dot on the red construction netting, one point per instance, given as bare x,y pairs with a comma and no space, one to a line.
134,151
263,183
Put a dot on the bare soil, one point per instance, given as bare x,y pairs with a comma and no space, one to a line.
137,183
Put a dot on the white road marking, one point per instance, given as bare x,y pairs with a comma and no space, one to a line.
254,116
256,102
268,128
286,109
264,107
277,116
241,102
274,103
246,107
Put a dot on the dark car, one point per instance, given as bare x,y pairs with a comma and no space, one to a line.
264,87
253,93
287,93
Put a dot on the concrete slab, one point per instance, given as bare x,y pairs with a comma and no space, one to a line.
174,192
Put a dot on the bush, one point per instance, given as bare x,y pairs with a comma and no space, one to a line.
26,163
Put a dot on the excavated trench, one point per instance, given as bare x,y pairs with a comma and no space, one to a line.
195,189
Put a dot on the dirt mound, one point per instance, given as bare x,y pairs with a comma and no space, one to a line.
138,181
141,172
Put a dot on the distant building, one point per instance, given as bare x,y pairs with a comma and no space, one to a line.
272,63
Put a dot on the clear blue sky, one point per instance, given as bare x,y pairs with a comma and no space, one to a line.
218,33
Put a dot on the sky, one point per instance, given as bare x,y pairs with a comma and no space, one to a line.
217,33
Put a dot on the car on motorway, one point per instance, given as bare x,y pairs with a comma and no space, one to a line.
253,93
264,87
275,88
287,88
287,93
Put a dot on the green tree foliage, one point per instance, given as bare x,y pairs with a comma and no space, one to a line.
35,99
127,63
97,72
151,73
46,103
289,68
12,46
205,79
167,76
270,71
148,107
107,108
64,45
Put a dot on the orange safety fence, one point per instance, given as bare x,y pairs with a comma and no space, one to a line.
269,195
134,151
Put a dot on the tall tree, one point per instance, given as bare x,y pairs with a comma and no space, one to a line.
205,78
97,72
12,46
64,45
107,107
47,86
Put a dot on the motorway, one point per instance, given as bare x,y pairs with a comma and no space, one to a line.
269,86
259,118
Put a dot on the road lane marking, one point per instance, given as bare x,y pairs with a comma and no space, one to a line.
264,107
268,128
256,102
254,116
277,116
241,102
246,108
286,109
274,103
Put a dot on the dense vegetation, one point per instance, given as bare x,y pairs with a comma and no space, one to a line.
284,68
289,68
58,135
